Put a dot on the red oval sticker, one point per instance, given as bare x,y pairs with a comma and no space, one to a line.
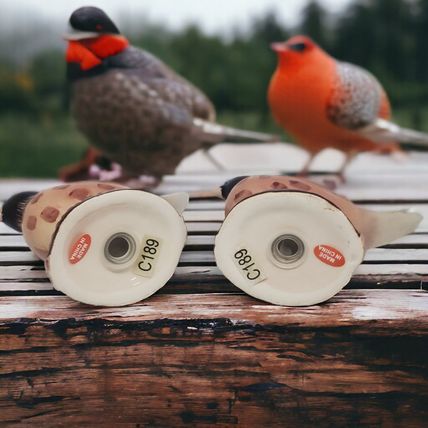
329,255
79,249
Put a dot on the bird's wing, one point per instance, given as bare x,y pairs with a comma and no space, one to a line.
179,92
359,103
148,67
182,96
120,101
356,99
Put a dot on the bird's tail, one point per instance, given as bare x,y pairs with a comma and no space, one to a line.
215,133
384,131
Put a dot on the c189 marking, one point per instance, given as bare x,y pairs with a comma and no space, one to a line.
148,257
247,265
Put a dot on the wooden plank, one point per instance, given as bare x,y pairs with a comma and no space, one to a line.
370,176
400,182
9,258
355,192
30,274
377,178
192,228
286,157
195,283
209,279
193,279
218,216
213,282
414,241
418,240
349,307
26,288
206,205
203,216
400,256
17,242
206,257
210,228
22,273
7,230
12,241
216,359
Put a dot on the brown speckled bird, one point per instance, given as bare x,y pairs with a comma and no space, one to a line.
132,107
323,103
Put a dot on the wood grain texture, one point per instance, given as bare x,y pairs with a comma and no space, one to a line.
216,359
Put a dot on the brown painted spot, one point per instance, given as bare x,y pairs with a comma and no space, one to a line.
106,186
31,222
63,186
299,185
49,214
36,198
278,186
80,193
242,194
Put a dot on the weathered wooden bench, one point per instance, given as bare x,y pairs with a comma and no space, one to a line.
200,352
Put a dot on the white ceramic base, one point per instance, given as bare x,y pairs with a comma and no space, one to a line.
80,268
254,224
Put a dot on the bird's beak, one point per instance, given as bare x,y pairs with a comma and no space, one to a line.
279,47
79,35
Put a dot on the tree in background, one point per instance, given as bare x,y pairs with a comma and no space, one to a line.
421,49
314,23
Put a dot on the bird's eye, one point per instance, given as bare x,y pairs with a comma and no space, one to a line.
298,47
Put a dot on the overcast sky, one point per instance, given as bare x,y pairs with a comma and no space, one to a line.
212,15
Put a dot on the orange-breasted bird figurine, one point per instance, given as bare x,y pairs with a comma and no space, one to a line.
132,107
322,102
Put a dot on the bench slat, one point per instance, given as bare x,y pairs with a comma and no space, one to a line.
351,307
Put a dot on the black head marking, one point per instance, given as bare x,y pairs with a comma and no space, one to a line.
298,47
230,184
92,19
13,209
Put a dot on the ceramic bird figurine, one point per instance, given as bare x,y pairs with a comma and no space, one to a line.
289,241
132,107
322,102
101,243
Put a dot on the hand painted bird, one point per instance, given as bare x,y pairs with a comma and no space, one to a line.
132,107
322,102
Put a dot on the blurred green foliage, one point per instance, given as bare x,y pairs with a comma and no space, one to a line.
388,37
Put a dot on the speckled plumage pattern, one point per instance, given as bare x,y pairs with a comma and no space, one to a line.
140,113
355,98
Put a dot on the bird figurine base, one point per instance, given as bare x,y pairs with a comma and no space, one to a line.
290,242
108,248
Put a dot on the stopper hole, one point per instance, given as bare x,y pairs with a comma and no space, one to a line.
287,249
120,248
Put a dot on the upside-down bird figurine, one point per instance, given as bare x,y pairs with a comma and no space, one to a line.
133,108
322,102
